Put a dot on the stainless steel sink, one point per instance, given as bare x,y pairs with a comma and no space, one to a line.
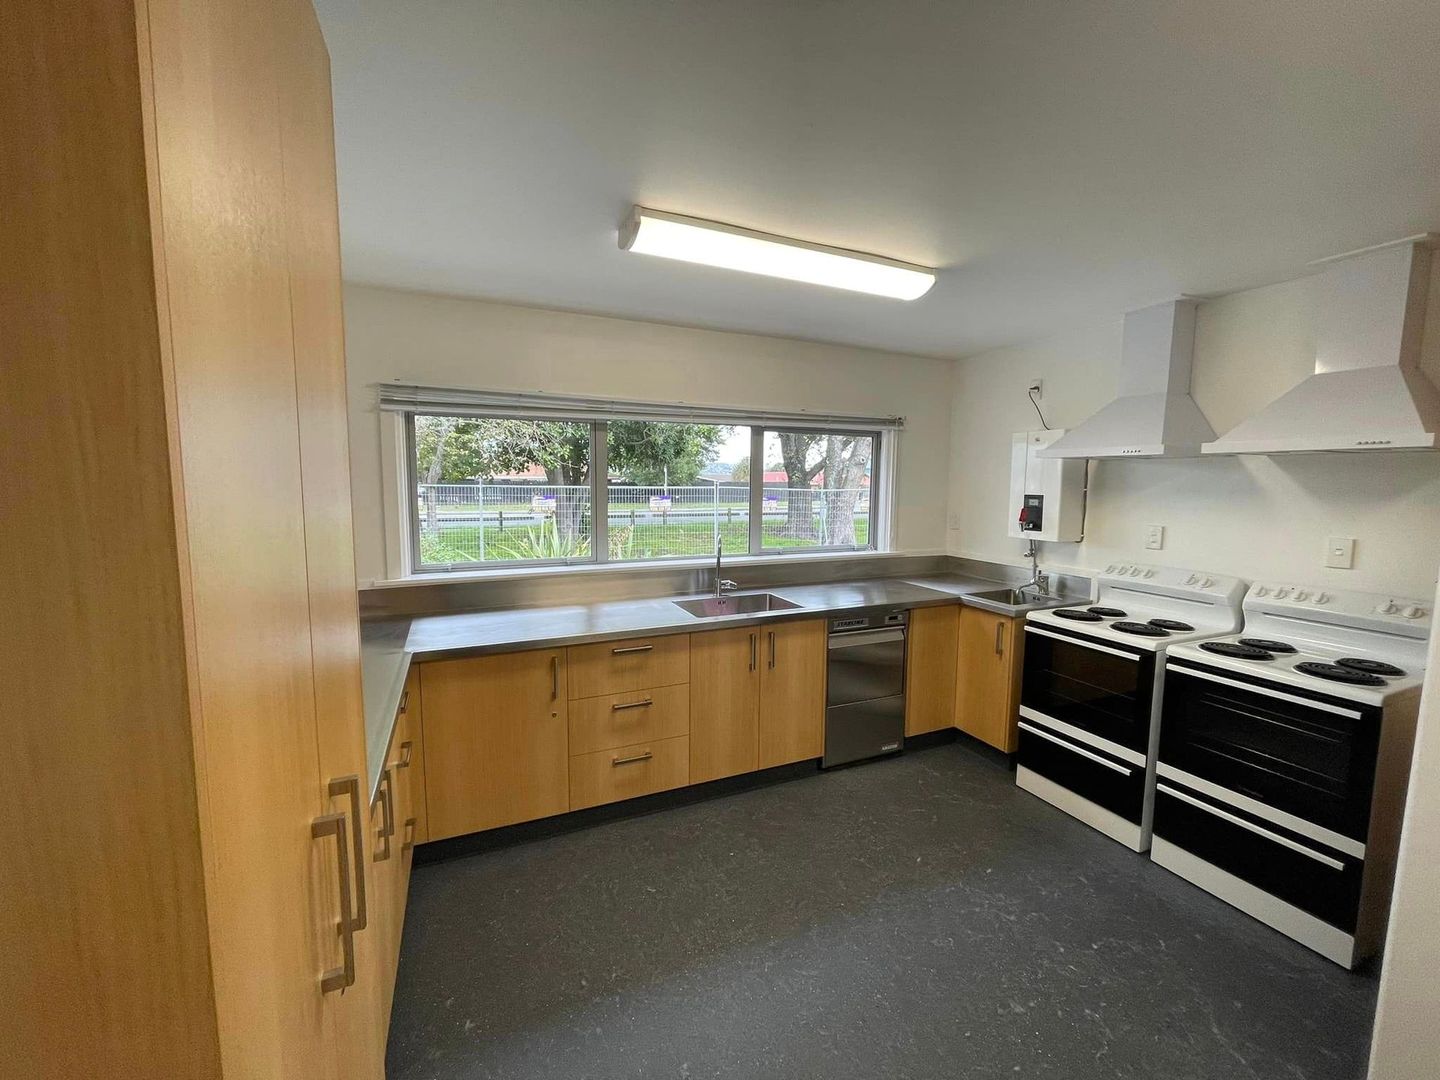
1018,601
713,607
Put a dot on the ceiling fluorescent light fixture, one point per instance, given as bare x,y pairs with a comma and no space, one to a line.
675,236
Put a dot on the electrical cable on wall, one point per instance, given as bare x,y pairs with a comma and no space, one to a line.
1031,395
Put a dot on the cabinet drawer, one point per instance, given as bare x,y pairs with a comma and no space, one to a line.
615,667
623,719
623,773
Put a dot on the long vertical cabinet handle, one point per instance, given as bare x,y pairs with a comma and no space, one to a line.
350,785
343,976
554,676
387,830
753,638
999,639
772,650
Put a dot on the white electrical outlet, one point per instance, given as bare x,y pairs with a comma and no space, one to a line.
1036,388
1340,552
1154,537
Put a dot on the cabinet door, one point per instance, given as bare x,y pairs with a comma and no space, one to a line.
792,692
724,703
931,658
496,741
989,677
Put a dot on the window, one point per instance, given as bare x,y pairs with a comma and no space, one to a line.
817,490
511,489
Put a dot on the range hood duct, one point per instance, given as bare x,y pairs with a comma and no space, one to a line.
1369,391
1154,415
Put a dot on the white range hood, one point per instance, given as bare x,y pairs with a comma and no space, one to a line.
1368,391
1154,415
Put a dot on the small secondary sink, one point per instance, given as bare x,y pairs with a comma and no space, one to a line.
1018,601
1013,597
712,607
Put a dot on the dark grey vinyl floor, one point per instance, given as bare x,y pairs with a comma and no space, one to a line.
917,917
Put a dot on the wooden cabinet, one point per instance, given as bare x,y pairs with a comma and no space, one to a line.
614,667
988,684
757,698
496,741
932,654
792,692
174,374
724,703
602,723
624,772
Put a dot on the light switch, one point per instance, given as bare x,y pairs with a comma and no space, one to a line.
1155,537
1340,552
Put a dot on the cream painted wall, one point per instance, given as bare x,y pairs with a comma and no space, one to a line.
1252,517
414,337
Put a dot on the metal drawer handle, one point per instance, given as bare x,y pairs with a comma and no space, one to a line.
999,635
554,677
407,751
646,756
343,976
351,785
1285,841
772,650
1082,644
753,639
1074,749
409,841
387,809
632,705
632,649
404,701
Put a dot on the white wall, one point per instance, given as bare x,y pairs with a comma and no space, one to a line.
414,337
1252,517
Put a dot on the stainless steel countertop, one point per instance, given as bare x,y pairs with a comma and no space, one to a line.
388,646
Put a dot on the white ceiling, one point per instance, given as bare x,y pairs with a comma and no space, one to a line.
1060,161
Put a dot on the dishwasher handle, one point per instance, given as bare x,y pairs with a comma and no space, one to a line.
854,638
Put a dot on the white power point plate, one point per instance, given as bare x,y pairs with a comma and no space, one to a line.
1340,552
1154,537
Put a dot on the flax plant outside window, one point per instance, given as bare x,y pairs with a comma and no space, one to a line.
501,491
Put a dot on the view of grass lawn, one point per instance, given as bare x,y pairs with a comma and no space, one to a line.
455,542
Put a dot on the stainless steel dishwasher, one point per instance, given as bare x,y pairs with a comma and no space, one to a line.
865,690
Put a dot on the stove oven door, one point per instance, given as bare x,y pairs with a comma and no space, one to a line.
1095,693
1285,752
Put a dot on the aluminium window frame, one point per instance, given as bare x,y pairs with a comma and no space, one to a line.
403,558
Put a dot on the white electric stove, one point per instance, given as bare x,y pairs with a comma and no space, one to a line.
1093,682
1284,759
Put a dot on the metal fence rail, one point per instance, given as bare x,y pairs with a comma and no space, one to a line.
512,522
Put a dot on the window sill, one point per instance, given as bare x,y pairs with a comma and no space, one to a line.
518,573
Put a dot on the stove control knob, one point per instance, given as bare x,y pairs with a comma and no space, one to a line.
1413,612
1321,598
1282,592
1110,569
1191,579
1302,594
1135,571
1388,608
1149,573
1207,582
1262,590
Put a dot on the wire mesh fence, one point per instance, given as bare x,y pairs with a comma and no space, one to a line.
463,523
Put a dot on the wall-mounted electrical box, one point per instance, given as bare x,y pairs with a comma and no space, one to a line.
1047,495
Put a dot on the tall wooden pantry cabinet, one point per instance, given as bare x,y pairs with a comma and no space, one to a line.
179,645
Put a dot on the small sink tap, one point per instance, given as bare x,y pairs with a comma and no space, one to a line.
722,584
1039,581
